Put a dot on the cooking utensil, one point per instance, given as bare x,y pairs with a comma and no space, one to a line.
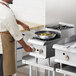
45,34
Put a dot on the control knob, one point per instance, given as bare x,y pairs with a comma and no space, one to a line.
66,57
40,51
33,49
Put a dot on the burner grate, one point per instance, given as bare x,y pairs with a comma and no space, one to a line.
60,27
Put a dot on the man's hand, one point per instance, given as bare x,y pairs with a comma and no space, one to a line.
26,47
26,27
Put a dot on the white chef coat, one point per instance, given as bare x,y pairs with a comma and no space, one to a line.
8,23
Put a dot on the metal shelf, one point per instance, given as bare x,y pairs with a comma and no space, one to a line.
42,63
68,70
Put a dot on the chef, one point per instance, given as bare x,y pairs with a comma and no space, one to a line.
9,32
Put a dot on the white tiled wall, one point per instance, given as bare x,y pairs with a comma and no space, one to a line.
60,10
30,10
46,11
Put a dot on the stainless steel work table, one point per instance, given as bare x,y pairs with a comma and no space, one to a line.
43,63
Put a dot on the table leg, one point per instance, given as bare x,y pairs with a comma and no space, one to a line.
65,75
49,72
30,70
37,71
36,60
60,65
54,73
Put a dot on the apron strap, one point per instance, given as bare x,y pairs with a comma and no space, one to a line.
5,4
6,32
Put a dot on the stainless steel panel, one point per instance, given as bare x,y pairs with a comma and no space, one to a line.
68,55
67,40
65,57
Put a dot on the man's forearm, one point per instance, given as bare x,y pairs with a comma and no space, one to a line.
19,22
25,46
22,42
25,26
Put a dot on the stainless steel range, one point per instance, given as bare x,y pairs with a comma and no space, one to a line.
65,51
43,47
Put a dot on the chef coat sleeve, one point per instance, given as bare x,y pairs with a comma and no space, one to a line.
12,27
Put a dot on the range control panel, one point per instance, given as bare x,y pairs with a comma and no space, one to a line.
38,49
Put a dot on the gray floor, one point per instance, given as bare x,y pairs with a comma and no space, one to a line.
21,74
24,71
